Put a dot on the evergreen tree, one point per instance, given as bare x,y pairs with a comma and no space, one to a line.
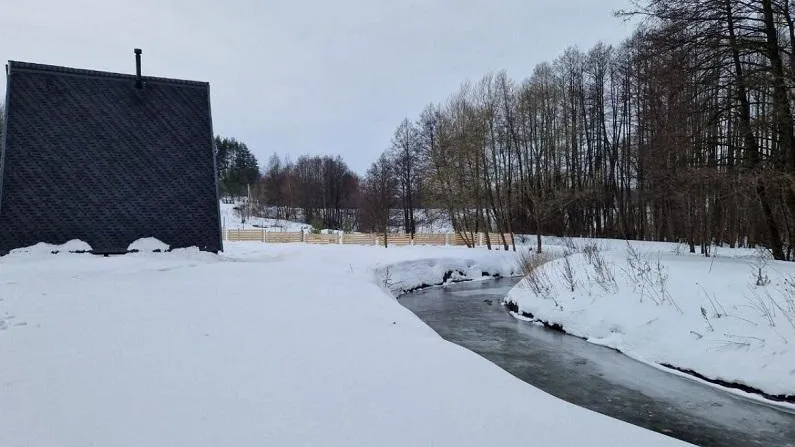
237,167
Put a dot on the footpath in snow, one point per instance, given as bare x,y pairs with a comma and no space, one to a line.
728,319
284,345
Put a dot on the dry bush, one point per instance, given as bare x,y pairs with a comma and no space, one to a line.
568,272
769,307
570,245
537,280
788,292
650,279
605,275
529,260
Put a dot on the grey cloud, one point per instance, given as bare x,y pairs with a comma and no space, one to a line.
310,77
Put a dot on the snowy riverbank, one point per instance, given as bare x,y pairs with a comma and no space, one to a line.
263,345
729,318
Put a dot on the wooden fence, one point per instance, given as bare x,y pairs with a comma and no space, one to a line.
393,239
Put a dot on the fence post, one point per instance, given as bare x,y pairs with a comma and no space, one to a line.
263,235
446,239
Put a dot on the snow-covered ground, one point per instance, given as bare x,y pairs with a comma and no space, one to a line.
427,220
284,345
230,219
729,318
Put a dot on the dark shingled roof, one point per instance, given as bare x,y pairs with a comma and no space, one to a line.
88,156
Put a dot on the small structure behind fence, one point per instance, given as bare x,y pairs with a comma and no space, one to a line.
393,239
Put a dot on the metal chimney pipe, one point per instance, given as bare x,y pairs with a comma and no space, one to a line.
138,82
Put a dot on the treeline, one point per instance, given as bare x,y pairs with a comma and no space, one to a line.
322,188
319,190
684,132
324,192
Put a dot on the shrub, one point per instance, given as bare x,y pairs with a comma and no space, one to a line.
529,263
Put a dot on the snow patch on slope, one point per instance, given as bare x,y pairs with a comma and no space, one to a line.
713,316
230,219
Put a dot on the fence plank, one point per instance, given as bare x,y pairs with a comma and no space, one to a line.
358,239
397,240
322,239
430,239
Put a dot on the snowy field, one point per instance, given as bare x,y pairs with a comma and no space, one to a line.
728,318
427,221
230,219
283,345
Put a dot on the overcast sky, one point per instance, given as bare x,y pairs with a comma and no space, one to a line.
309,77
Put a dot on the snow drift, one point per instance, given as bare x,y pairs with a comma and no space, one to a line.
729,319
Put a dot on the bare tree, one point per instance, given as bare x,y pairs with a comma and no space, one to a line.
406,155
378,196
684,132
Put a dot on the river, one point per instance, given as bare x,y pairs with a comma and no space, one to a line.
601,379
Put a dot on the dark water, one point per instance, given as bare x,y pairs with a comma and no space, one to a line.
594,377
